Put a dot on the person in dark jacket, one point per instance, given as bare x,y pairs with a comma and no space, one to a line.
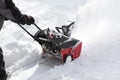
8,11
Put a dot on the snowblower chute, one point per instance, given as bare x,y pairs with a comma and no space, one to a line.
58,43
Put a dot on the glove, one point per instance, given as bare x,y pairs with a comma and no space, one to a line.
29,20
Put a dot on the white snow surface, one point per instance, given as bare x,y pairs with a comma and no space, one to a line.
96,25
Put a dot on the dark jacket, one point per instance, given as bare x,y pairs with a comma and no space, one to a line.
9,11
4,13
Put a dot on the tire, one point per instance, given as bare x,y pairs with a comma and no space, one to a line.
68,59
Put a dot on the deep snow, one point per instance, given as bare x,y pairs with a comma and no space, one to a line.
96,25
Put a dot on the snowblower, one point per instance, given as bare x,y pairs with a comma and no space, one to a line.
58,43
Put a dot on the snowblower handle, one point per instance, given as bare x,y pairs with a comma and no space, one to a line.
37,27
28,31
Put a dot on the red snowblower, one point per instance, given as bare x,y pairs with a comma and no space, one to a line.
58,43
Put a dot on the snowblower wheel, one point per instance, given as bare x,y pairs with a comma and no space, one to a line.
68,59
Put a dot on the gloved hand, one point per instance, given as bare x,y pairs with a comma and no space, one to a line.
29,20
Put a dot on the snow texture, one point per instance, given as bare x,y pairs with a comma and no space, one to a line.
96,25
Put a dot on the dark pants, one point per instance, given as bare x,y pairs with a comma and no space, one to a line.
3,75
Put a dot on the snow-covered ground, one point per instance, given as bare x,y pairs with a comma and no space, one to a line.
96,25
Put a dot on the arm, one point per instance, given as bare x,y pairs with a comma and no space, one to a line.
7,14
15,14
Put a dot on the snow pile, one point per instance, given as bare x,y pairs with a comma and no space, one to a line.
96,24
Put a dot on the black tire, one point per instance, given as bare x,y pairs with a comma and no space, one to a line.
68,59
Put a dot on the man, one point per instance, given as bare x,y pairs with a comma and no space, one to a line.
8,11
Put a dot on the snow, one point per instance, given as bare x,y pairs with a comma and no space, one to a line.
96,25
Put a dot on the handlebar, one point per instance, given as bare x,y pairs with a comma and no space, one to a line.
28,31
